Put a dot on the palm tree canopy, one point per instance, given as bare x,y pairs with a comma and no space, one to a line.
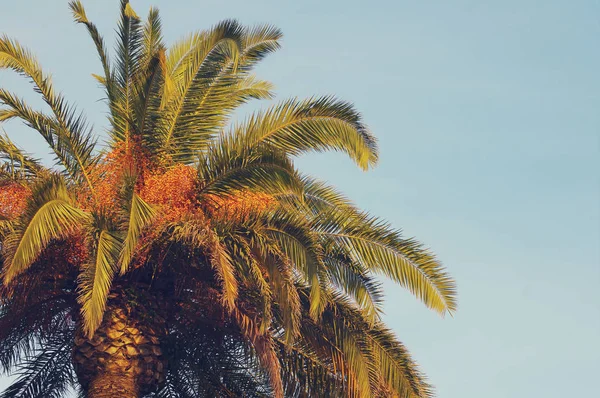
270,276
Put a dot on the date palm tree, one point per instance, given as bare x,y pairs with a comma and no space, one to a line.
188,257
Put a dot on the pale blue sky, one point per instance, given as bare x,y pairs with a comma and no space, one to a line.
488,115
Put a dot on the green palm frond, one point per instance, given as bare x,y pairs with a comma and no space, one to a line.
197,235
321,197
47,373
97,276
127,65
231,166
351,279
391,367
71,155
393,362
146,103
152,41
221,262
296,244
73,134
264,346
257,43
382,249
308,373
18,163
139,217
7,227
80,16
224,85
142,67
282,281
22,325
192,64
296,127
50,214
252,88
148,84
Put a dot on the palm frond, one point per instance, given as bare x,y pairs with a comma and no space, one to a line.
326,123
50,214
282,283
299,244
19,164
140,216
192,66
22,326
353,280
258,42
71,155
393,362
264,347
152,40
46,373
80,16
96,279
146,103
382,249
230,166
221,262
127,65
73,134
222,83
390,365
251,88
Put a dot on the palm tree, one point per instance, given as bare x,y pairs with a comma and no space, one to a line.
188,257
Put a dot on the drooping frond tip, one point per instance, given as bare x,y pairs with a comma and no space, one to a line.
78,11
313,125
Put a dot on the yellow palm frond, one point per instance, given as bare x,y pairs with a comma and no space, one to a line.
296,127
191,65
221,262
140,216
96,279
71,130
381,249
50,214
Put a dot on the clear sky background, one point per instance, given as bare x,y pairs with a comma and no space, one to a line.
488,116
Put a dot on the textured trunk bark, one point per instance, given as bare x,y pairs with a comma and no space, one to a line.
111,385
124,357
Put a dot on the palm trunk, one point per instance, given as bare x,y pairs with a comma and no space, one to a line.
109,385
123,358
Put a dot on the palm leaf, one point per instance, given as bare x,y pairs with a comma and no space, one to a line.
96,279
127,66
140,216
73,135
80,16
221,262
48,373
296,127
192,65
49,215
152,40
381,249
19,163
229,166
353,280
50,129
265,349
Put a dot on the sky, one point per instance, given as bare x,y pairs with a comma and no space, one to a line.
488,118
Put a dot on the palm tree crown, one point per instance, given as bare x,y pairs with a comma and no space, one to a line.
188,256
